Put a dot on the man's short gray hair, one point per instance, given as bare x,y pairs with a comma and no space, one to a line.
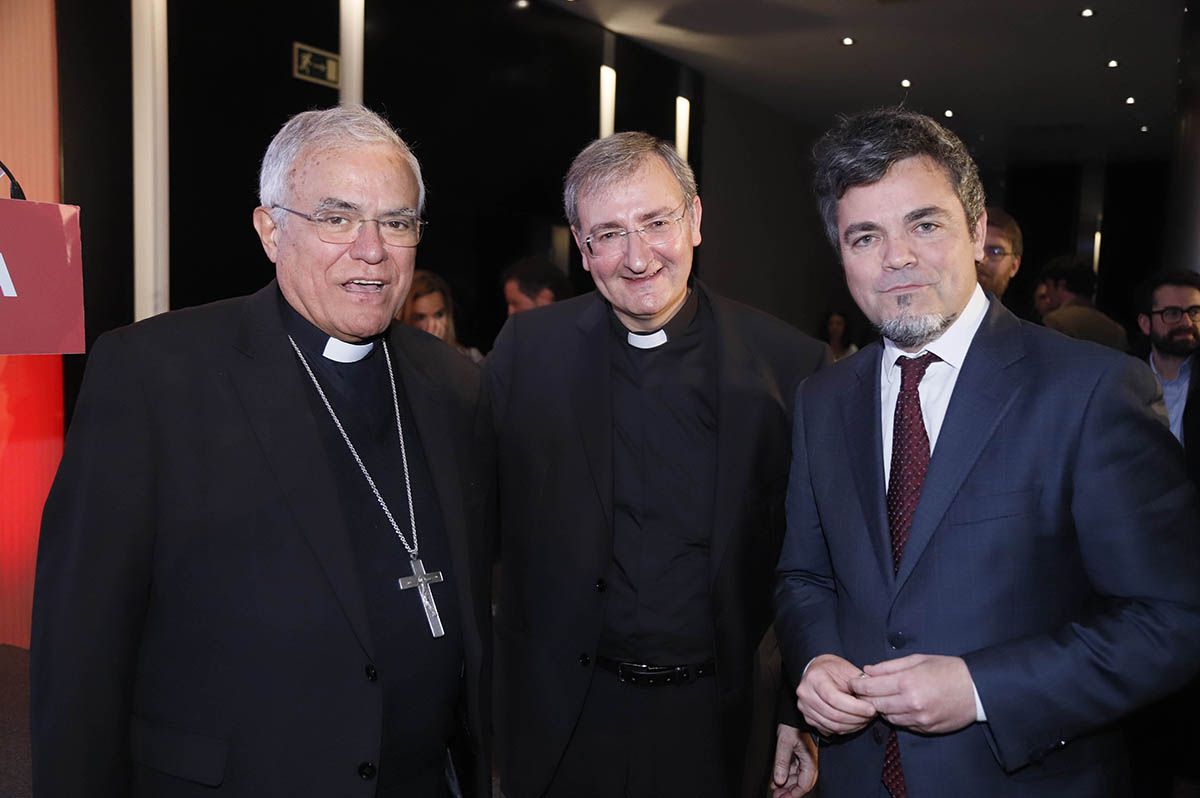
610,160
860,149
338,128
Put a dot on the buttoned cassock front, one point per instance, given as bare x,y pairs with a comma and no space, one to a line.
199,626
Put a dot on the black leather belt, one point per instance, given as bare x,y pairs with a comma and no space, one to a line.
655,675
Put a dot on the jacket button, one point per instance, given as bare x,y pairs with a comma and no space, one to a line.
601,585
372,674
897,640
366,771
585,660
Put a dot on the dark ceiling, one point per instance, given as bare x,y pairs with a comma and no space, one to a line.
1025,79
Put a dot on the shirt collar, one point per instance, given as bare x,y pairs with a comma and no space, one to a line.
315,342
952,345
1185,369
674,328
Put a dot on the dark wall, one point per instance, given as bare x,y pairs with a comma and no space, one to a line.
495,103
96,128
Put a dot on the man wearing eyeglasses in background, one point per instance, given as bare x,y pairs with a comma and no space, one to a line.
1001,252
643,442
1169,316
262,564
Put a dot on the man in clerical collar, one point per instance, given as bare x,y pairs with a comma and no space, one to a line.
264,562
991,551
642,433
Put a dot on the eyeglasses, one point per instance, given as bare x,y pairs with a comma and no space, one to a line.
1173,314
995,252
343,227
610,241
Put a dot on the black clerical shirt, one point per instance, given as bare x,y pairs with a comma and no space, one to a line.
419,675
658,610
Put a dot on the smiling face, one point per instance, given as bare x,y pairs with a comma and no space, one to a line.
349,291
908,251
646,284
1180,339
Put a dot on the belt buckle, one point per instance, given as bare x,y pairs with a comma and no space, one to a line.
653,675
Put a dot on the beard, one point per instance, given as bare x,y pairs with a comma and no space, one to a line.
1176,343
912,332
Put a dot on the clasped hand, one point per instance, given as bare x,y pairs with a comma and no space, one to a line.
922,692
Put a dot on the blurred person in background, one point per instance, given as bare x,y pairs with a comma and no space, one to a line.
430,307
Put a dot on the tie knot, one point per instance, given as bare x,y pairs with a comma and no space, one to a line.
912,369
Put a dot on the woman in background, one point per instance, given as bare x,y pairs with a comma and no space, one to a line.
837,334
430,307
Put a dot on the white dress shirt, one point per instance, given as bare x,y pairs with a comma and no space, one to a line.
935,389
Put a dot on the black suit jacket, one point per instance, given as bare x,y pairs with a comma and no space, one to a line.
1191,422
549,383
199,626
1054,548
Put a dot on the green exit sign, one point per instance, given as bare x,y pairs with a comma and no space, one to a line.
315,65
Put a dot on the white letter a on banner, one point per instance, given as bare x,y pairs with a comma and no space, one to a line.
6,283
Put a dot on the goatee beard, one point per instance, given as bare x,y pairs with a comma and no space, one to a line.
913,332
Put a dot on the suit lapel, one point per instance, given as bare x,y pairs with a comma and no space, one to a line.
272,386
438,441
982,395
864,448
591,394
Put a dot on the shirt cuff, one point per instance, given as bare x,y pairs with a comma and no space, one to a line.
980,715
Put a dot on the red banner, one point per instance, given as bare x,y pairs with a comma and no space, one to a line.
41,279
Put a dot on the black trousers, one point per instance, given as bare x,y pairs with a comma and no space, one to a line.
634,741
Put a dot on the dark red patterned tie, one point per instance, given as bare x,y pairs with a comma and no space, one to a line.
910,461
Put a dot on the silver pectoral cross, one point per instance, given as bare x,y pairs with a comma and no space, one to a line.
421,581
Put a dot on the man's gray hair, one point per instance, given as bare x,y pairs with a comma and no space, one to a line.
861,148
610,160
338,128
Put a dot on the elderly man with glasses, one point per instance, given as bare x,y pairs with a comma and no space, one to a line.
643,442
263,566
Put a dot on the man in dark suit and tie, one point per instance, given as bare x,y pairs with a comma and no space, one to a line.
992,552
643,442
263,567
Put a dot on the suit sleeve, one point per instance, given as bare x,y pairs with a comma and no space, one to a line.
1134,515
805,594
93,584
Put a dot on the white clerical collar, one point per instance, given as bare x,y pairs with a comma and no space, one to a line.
646,340
342,352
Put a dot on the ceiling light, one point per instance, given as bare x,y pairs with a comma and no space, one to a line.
1087,12
948,113
847,41
906,83
522,4
1112,64
1145,128
1130,101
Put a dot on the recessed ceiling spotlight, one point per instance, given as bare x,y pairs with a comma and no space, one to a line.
1145,128
847,41
906,83
948,113
1112,64
522,4
1130,101
1087,12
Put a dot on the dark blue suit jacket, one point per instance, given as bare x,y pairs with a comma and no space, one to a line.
1055,548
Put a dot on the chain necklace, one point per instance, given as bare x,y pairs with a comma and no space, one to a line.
420,579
